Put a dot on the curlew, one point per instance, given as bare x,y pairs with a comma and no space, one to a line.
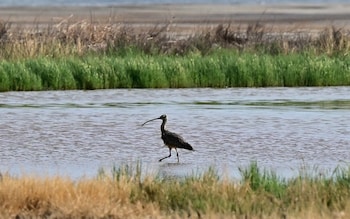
171,139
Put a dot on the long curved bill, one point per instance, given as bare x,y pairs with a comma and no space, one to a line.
149,121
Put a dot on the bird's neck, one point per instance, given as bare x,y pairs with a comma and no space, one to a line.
162,127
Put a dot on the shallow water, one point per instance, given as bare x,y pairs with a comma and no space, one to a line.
75,133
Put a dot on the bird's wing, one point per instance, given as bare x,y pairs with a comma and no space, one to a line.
174,140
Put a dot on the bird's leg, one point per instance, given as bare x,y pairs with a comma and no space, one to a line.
177,154
166,156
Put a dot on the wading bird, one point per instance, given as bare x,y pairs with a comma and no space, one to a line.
172,140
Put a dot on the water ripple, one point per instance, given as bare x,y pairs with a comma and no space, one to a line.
78,132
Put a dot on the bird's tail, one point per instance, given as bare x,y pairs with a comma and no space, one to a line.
188,146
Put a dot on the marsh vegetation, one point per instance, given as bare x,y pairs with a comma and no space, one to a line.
85,56
90,56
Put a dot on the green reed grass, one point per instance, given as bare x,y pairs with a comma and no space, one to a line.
223,68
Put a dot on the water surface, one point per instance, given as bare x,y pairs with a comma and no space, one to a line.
75,133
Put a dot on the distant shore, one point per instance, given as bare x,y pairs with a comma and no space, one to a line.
188,17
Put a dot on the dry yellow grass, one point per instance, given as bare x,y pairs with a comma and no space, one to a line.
59,197
54,32
27,32
82,38
111,197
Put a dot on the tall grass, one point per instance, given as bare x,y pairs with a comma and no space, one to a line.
84,55
223,68
126,192
70,39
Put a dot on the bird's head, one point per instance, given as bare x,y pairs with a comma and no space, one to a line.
162,117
